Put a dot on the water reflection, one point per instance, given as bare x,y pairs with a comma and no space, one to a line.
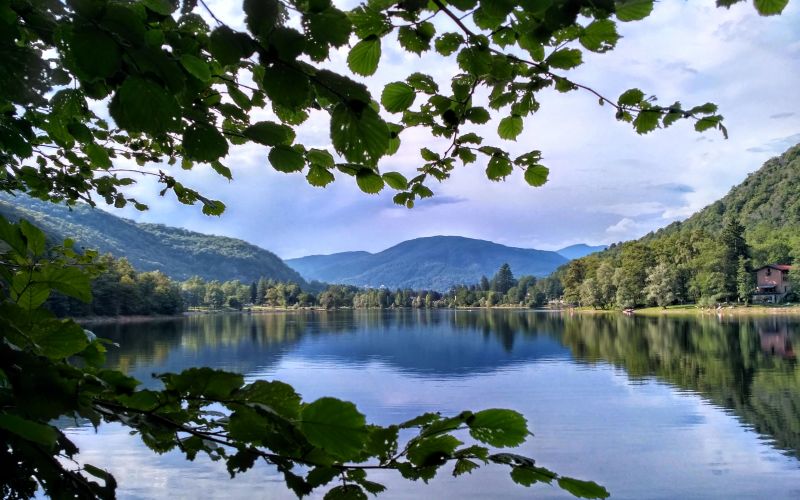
747,367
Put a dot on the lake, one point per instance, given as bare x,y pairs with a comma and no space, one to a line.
667,407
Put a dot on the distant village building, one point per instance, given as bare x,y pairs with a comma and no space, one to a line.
772,283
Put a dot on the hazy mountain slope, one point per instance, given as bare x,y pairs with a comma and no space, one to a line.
437,262
179,253
580,250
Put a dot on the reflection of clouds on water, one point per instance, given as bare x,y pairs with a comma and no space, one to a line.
679,406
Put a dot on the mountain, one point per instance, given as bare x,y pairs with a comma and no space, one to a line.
435,263
179,253
580,250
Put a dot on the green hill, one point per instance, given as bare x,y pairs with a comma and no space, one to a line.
708,257
179,253
434,263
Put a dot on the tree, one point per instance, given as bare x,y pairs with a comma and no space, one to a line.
503,280
484,285
573,277
590,293
661,285
744,280
177,92
734,247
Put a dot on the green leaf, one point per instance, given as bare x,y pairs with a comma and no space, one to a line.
498,168
416,39
478,115
498,427
96,53
203,142
432,451
633,10
70,281
278,397
320,157
330,27
368,181
196,67
395,180
448,43
707,122
582,489
286,159
600,36
32,431
463,466
360,135
98,155
60,339
646,121
269,133
163,7
423,83
222,170
141,105
335,426
397,97
770,7
34,237
287,85
526,475
364,56
261,15
228,46
565,59
31,296
319,176
536,175
510,127
346,492
631,97
206,382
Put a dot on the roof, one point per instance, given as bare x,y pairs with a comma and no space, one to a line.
780,267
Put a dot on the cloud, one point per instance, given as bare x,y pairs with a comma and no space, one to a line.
778,116
776,146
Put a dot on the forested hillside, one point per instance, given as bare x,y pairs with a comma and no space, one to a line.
176,252
707,258
433,263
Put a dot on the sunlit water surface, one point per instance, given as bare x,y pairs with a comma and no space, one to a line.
649,407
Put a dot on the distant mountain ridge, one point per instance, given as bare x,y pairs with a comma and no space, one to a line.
435,263
580,250
178,253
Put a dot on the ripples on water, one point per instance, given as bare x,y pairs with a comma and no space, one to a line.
648,407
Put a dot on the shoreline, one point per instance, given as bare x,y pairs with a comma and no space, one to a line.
693,310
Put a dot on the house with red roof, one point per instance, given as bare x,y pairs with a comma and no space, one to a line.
772,283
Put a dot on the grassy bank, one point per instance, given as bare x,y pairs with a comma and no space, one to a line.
738,310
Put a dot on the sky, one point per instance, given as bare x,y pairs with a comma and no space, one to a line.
607,183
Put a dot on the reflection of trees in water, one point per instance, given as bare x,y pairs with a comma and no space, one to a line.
747,367
724,361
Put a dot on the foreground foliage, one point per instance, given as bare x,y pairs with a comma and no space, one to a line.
54,369
181,92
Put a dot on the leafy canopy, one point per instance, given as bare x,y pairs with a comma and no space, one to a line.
181,91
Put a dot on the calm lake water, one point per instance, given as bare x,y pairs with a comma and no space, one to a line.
649,407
